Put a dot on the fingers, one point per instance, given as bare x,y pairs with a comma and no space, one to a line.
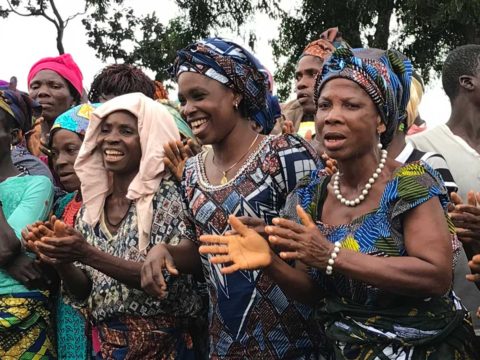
170,265
221,259
237,225
152,280
171,152
229,269
214,239
455,198
283,244
289,255
473,277
285,224
213,249
251,221
308,135
471,198
304,217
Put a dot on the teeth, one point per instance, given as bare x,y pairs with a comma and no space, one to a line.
113,153
197,123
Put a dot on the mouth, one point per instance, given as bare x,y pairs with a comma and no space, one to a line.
303,98
198,125
112,155
333,140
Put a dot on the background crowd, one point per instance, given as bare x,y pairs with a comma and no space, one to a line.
229,226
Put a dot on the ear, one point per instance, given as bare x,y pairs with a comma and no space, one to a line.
17,136
237,98
380,126
467,82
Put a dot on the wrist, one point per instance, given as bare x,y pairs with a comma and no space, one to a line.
89,255
334,252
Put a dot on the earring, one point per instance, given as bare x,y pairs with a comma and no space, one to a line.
235,106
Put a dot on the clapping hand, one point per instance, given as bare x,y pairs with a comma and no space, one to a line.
176,154
303,242
245,250
466,218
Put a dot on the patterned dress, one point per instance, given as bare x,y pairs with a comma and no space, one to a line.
131,323
365,322
250,317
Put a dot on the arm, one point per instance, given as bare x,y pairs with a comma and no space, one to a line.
9,244
425,271
75,281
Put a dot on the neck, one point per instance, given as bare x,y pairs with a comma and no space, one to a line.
235,144
121,182
465,121
7,169
355,172
397,145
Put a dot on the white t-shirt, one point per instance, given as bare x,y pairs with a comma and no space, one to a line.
464,164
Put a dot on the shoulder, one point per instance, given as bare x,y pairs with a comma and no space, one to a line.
289,142
438,132
415,183
36,182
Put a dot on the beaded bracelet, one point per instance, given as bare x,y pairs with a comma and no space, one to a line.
333,256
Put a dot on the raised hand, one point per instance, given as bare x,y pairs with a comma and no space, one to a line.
176,154
152,275
475,268
288,127
253,223
303,242
330,164
247,250
466,218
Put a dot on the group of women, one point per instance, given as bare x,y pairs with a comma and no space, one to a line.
292,261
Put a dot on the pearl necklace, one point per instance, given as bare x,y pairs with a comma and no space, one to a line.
366,188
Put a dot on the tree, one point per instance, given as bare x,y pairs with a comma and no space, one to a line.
425,30
48,9
144,41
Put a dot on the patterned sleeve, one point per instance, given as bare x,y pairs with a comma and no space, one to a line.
186,190
295,158
415,184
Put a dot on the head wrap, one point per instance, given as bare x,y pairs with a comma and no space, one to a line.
330,40
384,75
75,119
182,125
235,67
416,94
156,127
20,107
64,65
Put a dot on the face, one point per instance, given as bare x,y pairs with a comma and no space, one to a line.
119,142
52,92
307,68
5,135
207,106
65,147
347,120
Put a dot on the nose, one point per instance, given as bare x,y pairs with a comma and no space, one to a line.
42,91
61,159
187,109
301,83
331,117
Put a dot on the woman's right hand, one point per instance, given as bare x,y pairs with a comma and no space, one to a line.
152,279
176,154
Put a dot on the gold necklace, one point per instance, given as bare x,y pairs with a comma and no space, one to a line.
224,179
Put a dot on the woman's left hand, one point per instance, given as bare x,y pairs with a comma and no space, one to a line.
300,242
67,246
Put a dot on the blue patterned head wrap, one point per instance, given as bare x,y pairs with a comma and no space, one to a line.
384,75
75,119
235,67
20,107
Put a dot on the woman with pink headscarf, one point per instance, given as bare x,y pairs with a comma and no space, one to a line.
130,203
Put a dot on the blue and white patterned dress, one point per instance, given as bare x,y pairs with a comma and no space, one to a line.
250,316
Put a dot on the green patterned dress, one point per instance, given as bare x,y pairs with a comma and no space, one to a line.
365,322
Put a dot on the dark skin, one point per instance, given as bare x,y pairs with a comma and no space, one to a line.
464,122
119,142
344,108
64,151
52,92
307,69
18,265
230,136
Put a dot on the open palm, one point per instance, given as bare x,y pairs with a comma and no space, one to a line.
246,250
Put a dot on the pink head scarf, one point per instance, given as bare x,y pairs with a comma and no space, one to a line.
64,65
156,127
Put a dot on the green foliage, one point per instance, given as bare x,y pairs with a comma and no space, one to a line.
427,30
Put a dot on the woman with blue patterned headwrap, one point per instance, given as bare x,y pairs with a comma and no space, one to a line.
245,173
376,236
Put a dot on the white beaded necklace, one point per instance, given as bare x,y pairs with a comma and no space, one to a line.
366,188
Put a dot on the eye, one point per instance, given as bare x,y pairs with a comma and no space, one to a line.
126,131
351,106
323,105
104,129
182,101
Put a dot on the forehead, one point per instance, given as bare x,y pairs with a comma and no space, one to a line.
121,117
309,62
48,75
342,87
64,136
191,80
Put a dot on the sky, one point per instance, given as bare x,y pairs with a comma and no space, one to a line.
30,39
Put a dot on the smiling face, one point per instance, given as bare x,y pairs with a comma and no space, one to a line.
347,120
307,69
119,143
52,92
65,147
207,106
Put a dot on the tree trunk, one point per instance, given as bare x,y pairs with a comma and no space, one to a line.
60,48
382,29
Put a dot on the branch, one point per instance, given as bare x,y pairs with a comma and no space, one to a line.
61,23
74,16
12,9
44,14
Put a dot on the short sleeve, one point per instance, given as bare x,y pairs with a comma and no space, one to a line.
295,158
413,185
35,205
439,164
